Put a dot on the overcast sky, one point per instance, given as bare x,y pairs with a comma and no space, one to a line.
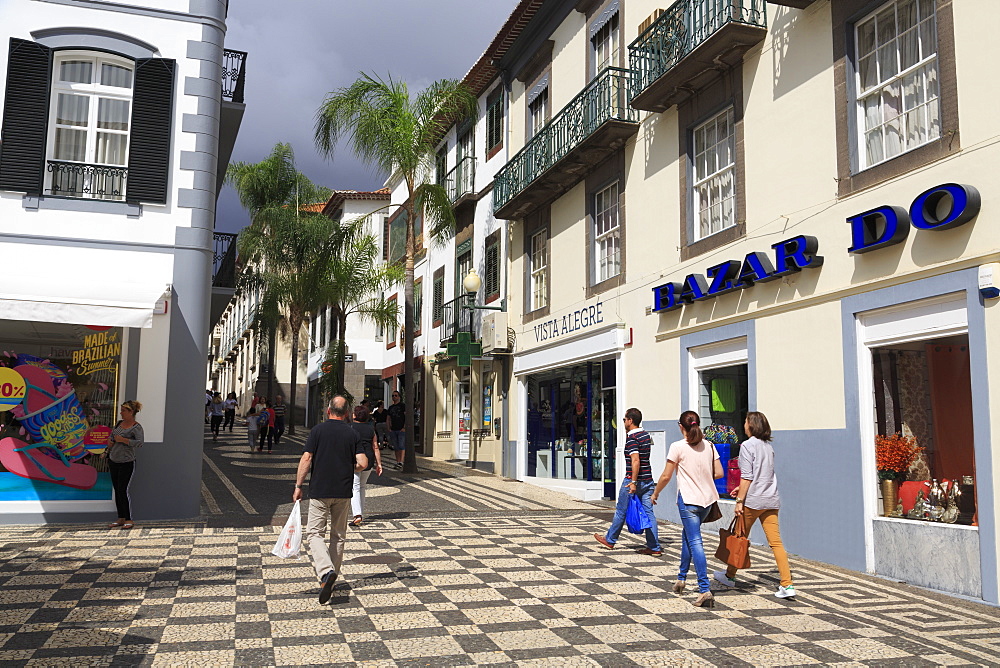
299,50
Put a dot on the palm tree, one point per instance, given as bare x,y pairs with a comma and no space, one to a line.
286,249
398,134
357,281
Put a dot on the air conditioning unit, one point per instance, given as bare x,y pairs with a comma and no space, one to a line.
494,331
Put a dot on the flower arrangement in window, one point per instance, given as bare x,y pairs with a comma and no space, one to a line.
894,454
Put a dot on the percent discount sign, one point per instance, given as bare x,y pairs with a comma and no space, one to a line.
11,388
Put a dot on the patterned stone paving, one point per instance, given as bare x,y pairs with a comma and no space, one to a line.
457,589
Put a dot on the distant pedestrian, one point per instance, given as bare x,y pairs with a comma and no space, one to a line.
126,437
231,404
638,481
252,428
208,404
397,428
366,431
381,415
333,453
218,412
279,418
266,426
757,498
697,464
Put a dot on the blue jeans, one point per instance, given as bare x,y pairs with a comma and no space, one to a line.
645,492
691,545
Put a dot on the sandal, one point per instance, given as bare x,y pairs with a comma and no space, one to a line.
356,522
128,524
115,525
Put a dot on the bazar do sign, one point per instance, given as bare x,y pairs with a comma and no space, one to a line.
941,208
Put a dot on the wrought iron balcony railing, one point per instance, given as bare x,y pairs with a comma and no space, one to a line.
603,100
681,29
237,332
457,317
233,66
76,179
224,260
461,180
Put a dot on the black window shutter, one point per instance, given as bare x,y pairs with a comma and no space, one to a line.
25,117
149,140
493,269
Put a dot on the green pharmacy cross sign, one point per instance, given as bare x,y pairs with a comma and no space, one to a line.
464,349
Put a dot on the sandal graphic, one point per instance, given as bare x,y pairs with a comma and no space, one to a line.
20,459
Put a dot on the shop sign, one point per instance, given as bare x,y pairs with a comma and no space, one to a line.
940,208
790,256
588,316
100,352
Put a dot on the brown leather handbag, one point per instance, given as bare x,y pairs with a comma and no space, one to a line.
734,546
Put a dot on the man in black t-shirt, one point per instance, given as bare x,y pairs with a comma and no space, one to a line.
397,428
333,452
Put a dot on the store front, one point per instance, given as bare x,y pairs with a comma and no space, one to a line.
569,435
59,389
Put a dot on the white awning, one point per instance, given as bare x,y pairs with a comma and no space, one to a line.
82,286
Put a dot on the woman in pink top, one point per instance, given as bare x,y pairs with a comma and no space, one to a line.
697,464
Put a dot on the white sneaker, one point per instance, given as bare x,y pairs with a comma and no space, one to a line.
721,577
785,592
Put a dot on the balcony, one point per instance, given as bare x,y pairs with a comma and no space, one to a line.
236,334
687,47
77,179
224,260
798,4
231,115
595,124
457,317
460,182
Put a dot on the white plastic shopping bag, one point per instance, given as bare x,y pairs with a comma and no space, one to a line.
290,539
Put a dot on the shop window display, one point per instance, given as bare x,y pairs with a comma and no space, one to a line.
723,402
59,383
923,395
571,423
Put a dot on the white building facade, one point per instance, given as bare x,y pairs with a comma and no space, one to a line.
116,127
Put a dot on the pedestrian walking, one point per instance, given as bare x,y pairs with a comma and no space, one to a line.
757,498
638,481
218,411
126,438
697,464
208,404
252,428
397,428
279,418
381,416
230,415
266,426
333,453
365,428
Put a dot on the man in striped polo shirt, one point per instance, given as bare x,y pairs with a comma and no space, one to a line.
638,480
279,418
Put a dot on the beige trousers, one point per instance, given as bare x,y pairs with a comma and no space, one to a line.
769,521
323,513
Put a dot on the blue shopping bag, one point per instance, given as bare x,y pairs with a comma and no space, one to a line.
636,518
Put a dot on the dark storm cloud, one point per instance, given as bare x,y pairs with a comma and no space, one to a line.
299,50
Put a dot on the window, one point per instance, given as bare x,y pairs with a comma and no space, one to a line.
607,237
441,166
312,333
538,112
539,267
418,305
322,327
606,48
446,403
393,333
463,265
897,80
396,236
494,122
90,112
491,280
438,296
713,191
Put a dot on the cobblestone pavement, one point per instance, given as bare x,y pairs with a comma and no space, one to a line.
515,579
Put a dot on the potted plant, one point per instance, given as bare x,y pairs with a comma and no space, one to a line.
893,456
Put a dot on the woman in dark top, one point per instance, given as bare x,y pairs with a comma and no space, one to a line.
366,431
126,437
381,417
